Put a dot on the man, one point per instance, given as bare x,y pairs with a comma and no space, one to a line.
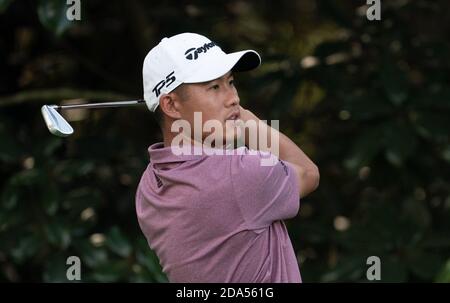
219,217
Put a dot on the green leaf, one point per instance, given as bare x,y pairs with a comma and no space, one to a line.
425,265
143,276
117,242
432,125
437,241
416,214
326,49
111,272
27,178
394,82
149,260
50,200
52,14
92,256
9,150
4,5
446,153
51,145
348,268
81,198
439,100
26,247
444,274
284,96
400,143
70,169
367,107
58,234
10,220
366,146
9,197
55,270
393,270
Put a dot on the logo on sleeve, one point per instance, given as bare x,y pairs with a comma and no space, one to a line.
284,167
158,181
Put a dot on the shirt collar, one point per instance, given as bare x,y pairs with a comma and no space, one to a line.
161,154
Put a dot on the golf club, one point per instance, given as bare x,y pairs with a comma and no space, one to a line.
58,126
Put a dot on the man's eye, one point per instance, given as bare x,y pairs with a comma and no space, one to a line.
215,87
231,82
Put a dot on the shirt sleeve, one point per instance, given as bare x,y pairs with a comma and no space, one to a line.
265,193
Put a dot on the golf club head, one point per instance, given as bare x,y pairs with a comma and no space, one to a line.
56,124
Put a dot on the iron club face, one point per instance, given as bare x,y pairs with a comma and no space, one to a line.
56,124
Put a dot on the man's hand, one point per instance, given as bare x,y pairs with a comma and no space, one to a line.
246,114
251,128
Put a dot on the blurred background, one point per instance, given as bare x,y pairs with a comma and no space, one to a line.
368,101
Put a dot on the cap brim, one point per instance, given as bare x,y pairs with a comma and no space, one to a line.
239,62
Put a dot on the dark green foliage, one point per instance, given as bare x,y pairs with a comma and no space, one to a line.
368,101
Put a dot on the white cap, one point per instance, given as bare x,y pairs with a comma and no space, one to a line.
189,58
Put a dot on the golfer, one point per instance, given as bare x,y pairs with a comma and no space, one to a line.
215,217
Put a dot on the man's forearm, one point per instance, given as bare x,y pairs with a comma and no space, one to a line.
288,151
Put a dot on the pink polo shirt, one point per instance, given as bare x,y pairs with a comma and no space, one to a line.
219,218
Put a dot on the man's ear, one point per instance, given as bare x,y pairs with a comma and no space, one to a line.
168,104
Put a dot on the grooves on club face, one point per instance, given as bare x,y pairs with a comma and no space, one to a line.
56,124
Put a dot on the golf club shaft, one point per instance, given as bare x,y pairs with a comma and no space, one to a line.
99,105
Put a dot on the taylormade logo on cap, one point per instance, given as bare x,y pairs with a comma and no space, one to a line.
188,58
192,53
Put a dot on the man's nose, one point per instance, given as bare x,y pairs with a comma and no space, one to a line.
232,97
